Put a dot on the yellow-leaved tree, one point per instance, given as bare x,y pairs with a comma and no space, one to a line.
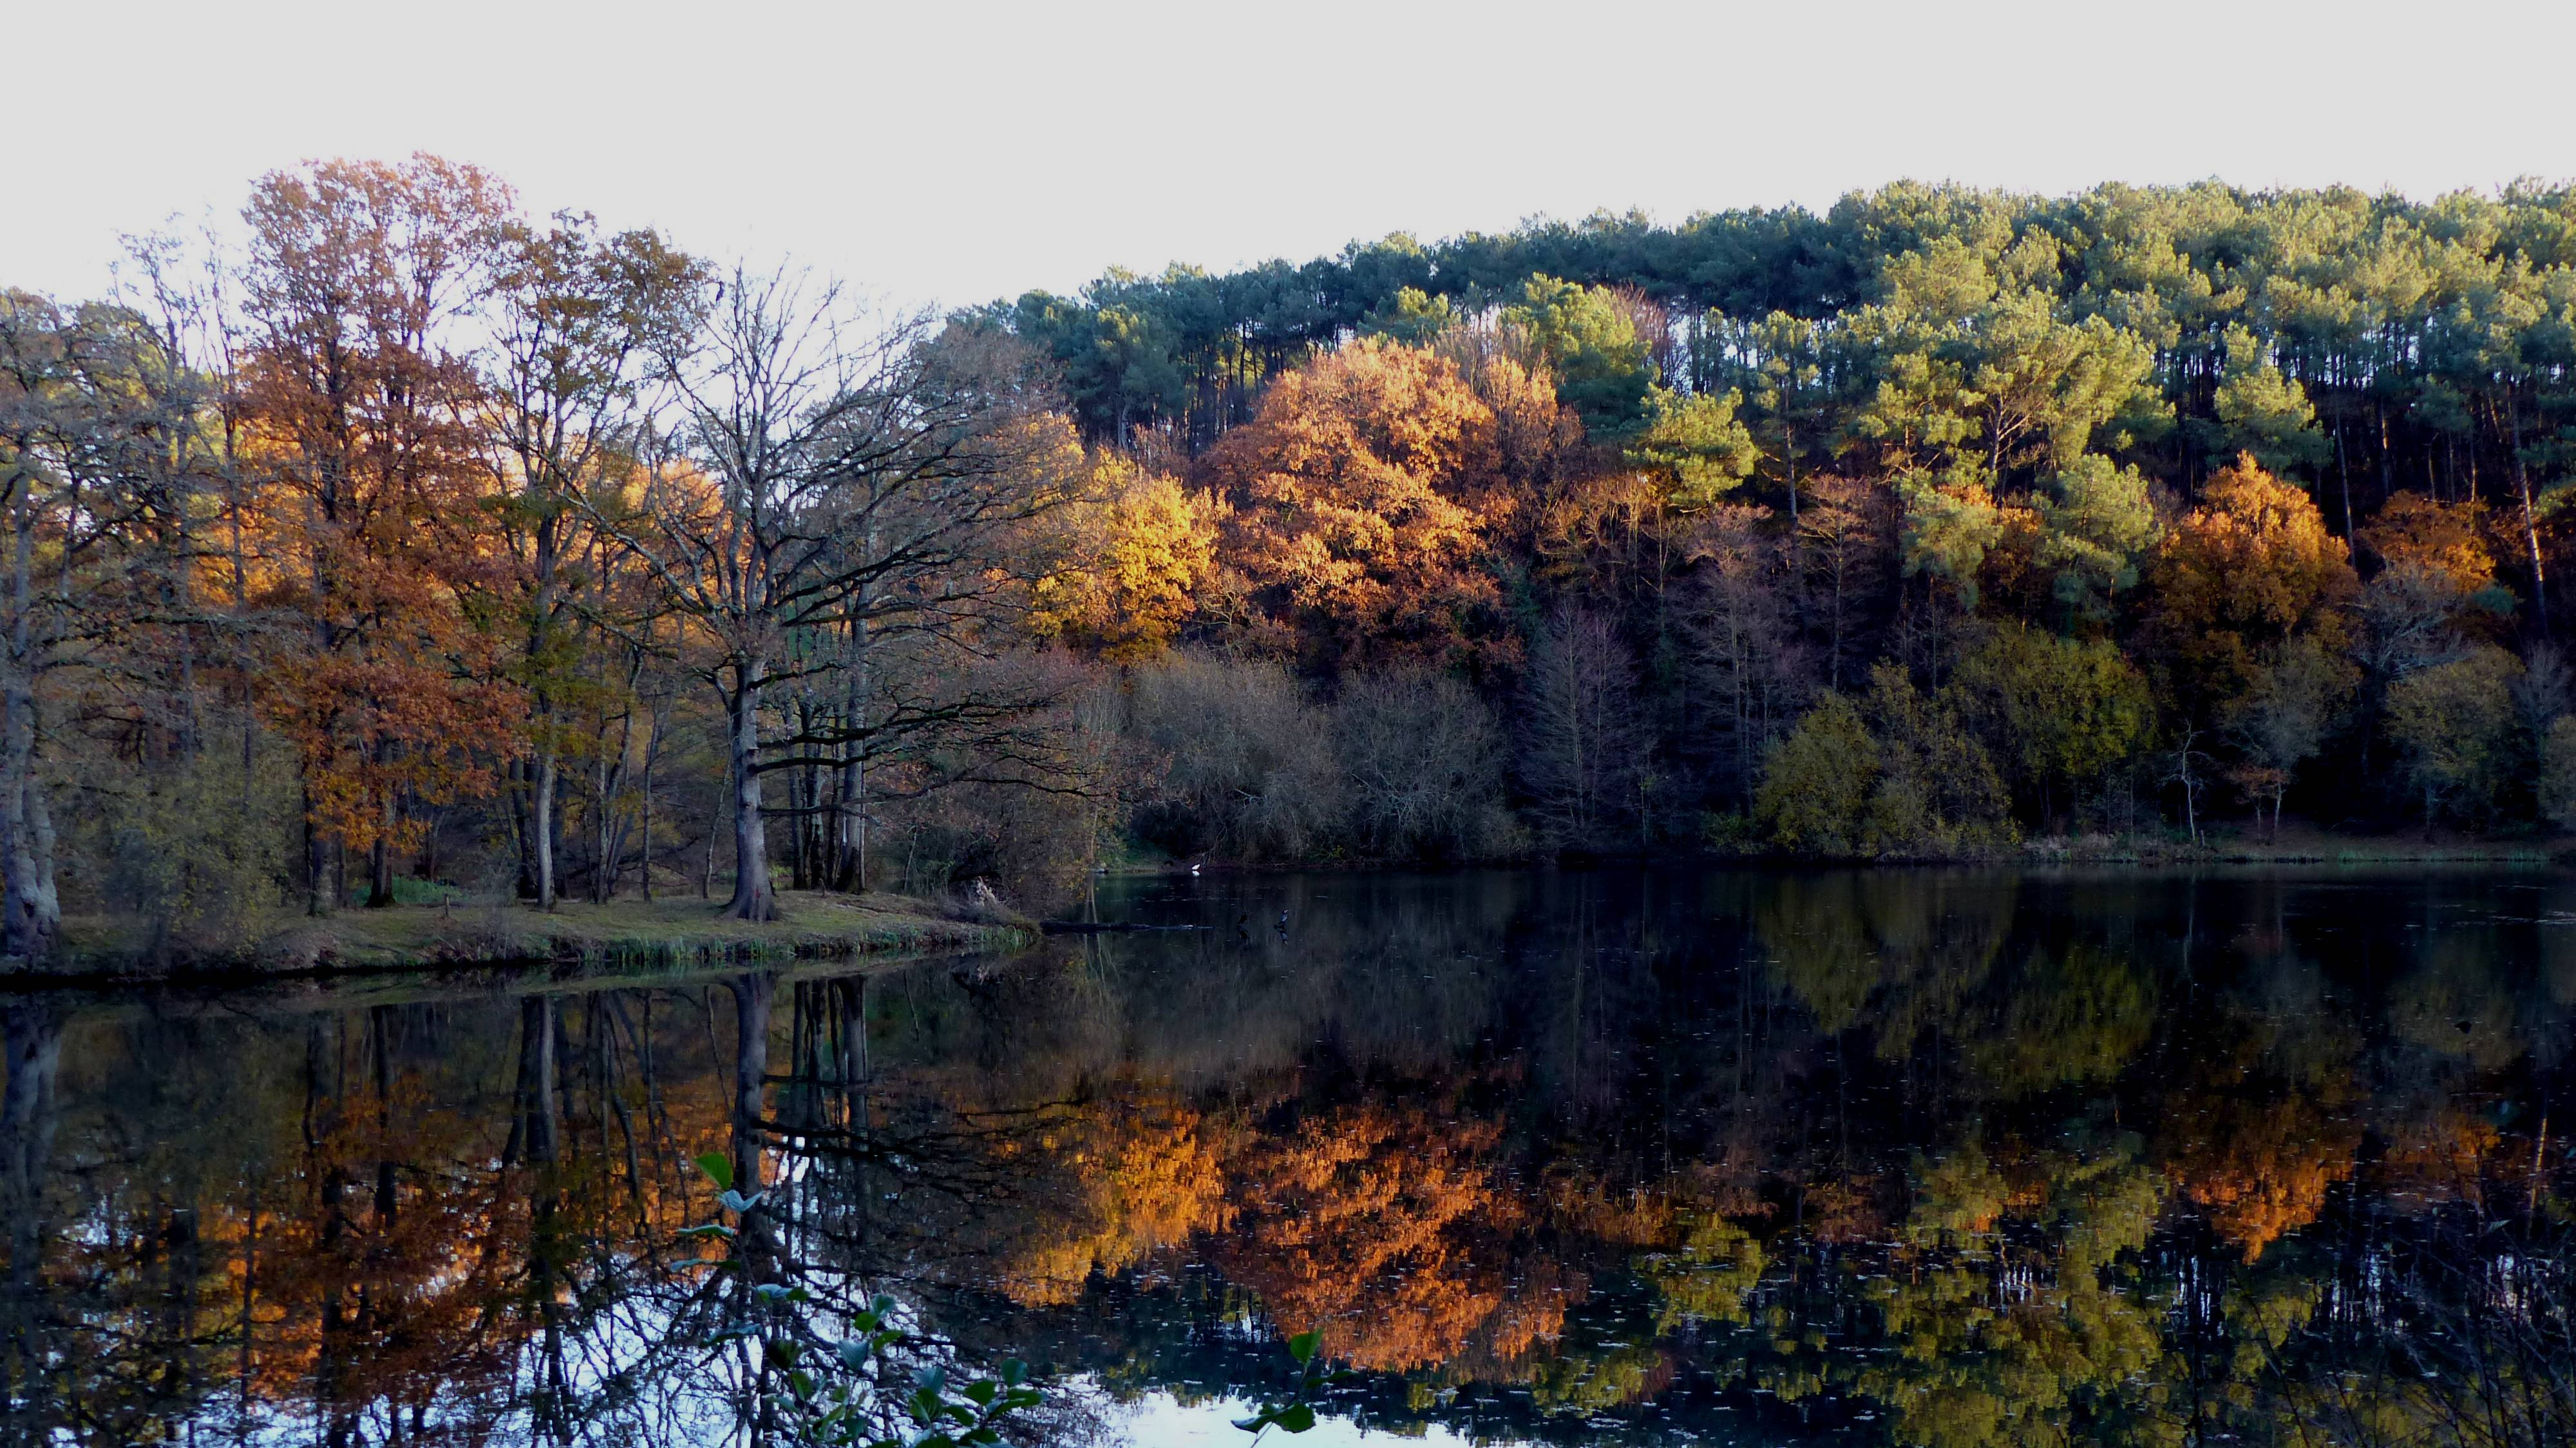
1137,547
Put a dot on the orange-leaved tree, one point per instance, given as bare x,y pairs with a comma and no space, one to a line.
1360,496
367,508
2435,590
2251,567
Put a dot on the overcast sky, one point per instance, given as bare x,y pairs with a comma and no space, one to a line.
954,152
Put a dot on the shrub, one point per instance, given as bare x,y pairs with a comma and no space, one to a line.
1894,774
1423,756
1242,763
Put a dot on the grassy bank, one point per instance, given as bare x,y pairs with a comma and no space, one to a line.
2296,844
622,935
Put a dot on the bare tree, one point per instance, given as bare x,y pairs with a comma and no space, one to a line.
2281,722
1424,758
1745,648
1579,760
1842,540
835,488
1246,762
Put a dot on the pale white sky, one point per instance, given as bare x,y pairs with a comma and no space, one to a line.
958,152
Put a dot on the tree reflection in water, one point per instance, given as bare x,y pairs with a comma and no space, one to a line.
1933,1157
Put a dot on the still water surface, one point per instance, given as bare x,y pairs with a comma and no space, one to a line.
1921,1157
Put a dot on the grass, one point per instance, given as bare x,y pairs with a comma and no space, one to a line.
662,935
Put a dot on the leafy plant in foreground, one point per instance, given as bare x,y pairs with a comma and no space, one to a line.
840,1398
1295,1413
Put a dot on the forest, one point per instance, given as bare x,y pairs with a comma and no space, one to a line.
400,545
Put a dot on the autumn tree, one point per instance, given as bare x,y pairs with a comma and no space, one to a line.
2249,568
370,495
2256,1137
2434,591
1895,773
1816,782
1137,547
2453,724
577,318
1356,507
2058,714
1381,1228
2281,720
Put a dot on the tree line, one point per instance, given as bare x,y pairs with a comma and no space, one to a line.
415,536
1942,519
413,540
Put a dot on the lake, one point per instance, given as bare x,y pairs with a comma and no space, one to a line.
1901,1156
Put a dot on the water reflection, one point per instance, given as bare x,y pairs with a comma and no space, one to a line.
1917,1157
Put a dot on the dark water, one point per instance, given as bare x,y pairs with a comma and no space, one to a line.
1909,1157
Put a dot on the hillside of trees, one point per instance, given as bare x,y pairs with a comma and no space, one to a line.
1945,519
416,545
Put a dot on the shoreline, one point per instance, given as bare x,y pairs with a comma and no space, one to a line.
658,937
515,943
2295,847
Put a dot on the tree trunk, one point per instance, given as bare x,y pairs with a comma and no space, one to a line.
541,617
603,880
34,910
850,815
317,863
380,858
853,997
753,898
652,745
537,1133
2530,524
798,866
541,830
33,1035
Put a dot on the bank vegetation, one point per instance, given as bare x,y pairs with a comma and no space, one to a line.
398,543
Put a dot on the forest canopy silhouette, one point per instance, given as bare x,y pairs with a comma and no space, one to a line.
411,545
